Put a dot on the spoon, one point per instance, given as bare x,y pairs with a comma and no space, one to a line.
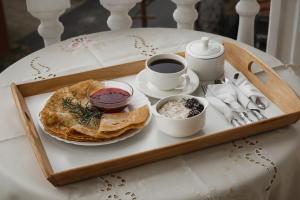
260,104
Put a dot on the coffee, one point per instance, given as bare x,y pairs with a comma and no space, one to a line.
167,71
166,66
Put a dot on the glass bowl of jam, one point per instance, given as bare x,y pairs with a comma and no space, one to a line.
113,97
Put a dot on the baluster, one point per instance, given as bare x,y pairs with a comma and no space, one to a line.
247,10
48,12
119,18
185,14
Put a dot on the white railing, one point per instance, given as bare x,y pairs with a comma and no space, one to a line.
185,15
48,11
247,10
119,18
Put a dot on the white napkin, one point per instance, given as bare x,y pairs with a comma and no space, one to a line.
221,107
243,99
224,109
226,93
247,88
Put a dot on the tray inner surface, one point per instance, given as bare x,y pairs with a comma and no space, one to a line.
64,156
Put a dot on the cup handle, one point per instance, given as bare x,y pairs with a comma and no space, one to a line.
184,78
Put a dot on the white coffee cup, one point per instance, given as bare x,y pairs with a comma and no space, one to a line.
167,81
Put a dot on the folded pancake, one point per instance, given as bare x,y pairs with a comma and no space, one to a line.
115,124
61,122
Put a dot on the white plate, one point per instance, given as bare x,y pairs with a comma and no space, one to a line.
138,100
147,88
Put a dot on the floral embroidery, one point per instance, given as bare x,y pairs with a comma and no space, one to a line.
128,195
76,43
144,48
257,157
41,71
112,184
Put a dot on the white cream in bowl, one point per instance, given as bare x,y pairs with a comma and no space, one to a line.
174,109
172,117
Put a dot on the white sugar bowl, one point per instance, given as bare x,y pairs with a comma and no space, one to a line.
206,58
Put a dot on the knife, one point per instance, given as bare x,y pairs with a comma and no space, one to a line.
258,114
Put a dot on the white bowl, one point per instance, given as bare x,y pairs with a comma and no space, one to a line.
180,127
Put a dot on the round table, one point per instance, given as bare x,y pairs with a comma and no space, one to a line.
261,167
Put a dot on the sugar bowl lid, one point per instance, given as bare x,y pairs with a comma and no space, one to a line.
205,48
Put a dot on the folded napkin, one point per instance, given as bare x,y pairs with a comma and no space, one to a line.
224,109
239,80
221,107
226,93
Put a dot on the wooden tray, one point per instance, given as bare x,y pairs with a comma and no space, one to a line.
274,88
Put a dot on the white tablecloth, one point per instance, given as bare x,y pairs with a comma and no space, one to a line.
261,167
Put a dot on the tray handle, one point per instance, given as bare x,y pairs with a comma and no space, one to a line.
274,87
31,131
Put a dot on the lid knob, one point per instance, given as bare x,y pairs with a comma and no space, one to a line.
204,43
205,48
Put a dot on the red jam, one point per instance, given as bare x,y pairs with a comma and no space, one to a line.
110,99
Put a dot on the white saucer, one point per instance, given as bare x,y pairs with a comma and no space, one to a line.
150,90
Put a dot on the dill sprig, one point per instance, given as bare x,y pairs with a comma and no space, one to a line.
84,114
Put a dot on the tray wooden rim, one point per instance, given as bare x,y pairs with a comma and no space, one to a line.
290,105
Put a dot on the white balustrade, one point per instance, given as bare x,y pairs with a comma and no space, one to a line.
119,18
247,10
283,37
185,14
48,12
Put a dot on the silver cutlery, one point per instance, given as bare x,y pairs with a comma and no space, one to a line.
257,101
244,116
241,118
236,123
260,104
257,114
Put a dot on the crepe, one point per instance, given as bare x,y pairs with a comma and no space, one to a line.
115,124
60,122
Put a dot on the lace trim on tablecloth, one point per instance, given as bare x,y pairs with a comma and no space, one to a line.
256,156
40,71
112,184
144,47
